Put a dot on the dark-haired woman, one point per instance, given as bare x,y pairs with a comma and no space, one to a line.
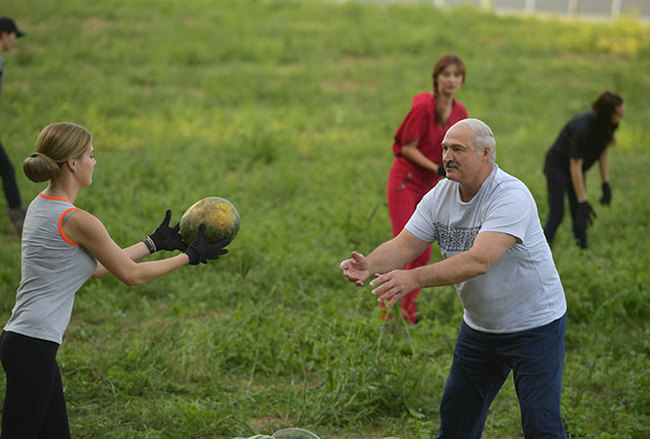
418,154
582,142
63,246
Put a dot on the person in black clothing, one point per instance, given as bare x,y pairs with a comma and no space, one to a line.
9,33
585,139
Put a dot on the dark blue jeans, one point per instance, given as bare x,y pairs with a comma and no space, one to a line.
481,364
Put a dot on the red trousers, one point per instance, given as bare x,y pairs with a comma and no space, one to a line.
406,187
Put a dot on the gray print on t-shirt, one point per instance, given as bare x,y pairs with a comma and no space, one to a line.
454,239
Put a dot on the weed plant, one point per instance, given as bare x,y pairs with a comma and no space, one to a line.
287,108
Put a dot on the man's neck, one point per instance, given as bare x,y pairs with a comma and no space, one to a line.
470,189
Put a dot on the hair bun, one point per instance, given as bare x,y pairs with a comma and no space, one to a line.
40,167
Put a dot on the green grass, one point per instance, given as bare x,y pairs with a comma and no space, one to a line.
288,109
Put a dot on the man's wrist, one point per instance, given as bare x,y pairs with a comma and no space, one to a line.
417,276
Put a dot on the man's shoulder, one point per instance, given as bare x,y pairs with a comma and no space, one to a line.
444,189
445,185
505,177
505,182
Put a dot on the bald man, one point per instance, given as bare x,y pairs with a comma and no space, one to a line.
486,224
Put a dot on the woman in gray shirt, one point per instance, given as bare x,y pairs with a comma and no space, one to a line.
62,247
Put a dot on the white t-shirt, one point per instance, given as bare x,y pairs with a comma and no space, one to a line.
522,290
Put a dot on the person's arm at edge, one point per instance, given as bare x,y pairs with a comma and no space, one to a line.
88,231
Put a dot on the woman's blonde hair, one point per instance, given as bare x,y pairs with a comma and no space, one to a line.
56,144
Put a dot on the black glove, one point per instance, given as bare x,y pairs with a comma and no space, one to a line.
584,215
165,237
441,171
607,194
200,251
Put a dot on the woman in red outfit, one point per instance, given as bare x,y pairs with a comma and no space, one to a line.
418,153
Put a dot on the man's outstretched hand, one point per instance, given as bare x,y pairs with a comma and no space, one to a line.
356,269
392,286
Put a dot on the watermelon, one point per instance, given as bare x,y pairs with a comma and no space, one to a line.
219,215
294,433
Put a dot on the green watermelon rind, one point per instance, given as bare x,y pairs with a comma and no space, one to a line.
223,227
294,433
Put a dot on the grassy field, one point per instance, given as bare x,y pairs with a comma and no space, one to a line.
288,110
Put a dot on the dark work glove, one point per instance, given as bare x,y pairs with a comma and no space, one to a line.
607,194
167,238
584,215
200,251
441,171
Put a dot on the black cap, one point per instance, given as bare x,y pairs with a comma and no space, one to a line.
8,25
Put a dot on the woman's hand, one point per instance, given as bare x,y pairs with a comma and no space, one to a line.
200,251
165,237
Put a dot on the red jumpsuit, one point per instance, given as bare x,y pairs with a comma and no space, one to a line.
408,182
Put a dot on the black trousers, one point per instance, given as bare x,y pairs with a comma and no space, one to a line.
9,184
558,184
34,407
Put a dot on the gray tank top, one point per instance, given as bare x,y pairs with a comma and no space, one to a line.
53,269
